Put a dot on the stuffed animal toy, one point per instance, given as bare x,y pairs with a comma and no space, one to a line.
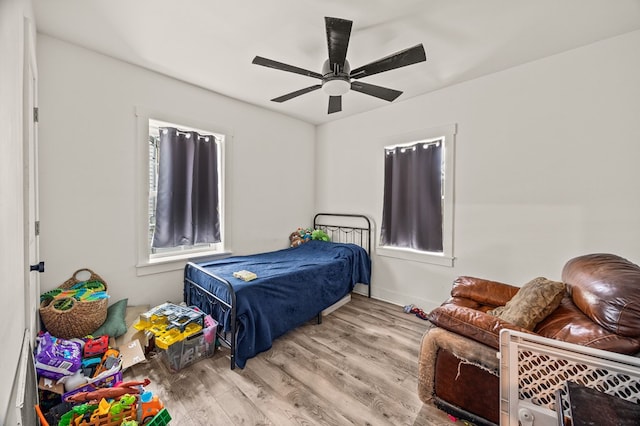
303,235
295,239
319,234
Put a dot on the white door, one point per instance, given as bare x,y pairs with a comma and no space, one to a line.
24,395
30,132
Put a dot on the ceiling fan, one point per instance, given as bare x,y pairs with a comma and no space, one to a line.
337,77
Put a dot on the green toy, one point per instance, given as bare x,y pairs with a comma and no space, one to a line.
161,419
320,235
78,410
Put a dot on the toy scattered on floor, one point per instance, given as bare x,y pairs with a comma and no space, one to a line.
171,316
132,388
160,419
102,408
109,360
411,309
170,323
95,346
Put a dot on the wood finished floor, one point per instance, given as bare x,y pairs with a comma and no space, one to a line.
359,367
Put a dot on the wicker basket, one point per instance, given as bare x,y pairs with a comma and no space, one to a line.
81,317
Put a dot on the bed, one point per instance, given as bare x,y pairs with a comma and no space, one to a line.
293,285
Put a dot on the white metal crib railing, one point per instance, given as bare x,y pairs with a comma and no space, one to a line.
534,368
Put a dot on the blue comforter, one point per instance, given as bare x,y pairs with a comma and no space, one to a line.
292,287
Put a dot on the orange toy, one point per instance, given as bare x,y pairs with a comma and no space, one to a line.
109,393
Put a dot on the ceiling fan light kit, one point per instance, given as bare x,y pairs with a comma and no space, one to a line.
336,87
337,77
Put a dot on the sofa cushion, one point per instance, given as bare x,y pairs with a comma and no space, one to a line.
532,303
471,323
606,288
569,324
483,292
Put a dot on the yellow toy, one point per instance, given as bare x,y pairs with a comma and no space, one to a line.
170,323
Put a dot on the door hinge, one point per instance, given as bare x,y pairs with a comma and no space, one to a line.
35,114
37,227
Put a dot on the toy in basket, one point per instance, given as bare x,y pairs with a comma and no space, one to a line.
77,307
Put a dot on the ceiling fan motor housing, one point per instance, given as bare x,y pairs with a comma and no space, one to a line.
335,82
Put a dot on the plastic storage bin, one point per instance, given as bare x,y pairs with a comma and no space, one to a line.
192,348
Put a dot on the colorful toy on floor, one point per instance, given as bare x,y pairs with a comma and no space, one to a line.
78,411
160,419
170,323
411,309
135,407
132,387
96,346
109,360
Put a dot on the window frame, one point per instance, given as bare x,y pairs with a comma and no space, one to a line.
147,262
447,134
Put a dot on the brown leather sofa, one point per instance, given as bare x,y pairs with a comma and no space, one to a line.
599,307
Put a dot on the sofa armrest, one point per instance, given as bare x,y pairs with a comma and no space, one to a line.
485,292
471,323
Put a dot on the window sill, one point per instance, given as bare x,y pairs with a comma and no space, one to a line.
174,263
415,256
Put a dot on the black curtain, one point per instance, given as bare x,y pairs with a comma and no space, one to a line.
187,203
412,210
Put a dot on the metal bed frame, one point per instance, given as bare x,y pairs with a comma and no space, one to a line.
355,230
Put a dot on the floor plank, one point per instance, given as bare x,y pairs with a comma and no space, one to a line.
359,367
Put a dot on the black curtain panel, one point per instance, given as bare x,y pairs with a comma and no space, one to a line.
412,210
187,203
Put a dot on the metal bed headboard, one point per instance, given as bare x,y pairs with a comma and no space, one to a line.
355,230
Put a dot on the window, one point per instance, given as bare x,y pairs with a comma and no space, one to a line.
417,207
181,194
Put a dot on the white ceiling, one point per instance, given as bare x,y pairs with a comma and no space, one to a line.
211,43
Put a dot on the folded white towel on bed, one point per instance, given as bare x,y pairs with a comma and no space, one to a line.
245,275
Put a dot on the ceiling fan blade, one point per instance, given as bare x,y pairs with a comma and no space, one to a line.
335,104
403,58
296,93
338,34
259,60
376,91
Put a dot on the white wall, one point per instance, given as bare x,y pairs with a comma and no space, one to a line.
87,168
546,168
546,159
12,247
